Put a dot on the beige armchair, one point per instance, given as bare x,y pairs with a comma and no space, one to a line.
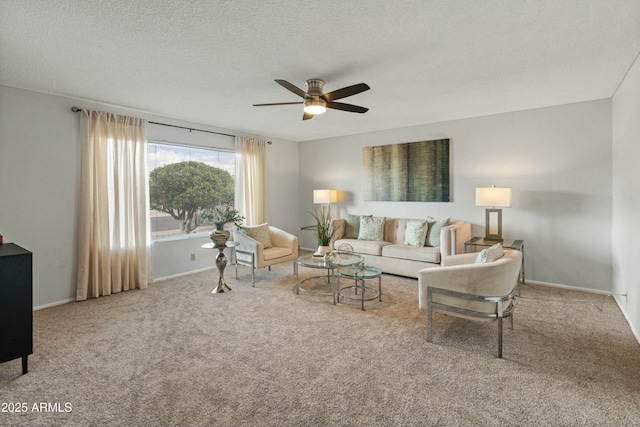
473,291
270,247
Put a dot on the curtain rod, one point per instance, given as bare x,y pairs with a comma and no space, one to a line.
77,110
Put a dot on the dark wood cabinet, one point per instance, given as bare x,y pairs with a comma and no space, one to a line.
16,304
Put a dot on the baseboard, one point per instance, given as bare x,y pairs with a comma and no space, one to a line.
187,273
67,301
570,288
616,298
53,304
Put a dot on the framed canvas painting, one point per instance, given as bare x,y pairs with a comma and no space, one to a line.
412,171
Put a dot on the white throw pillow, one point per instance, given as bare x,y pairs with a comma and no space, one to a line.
260,233
416,232
371,228
491,254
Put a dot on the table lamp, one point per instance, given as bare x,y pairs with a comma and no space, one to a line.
493,198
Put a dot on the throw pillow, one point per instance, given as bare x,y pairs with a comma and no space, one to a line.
352,226
371,228
433,237
491,254
260,233
416,232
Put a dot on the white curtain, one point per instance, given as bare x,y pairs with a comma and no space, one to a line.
114,228
250,179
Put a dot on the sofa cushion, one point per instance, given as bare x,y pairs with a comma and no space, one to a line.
416,232
433,237
260,233
423,254
491,254
369,247
371,228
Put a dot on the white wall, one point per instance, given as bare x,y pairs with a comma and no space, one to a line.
558,161
626,196
39,186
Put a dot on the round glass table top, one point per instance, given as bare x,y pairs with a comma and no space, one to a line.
356,272
339,260
211,245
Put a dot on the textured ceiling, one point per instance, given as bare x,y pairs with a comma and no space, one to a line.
426,61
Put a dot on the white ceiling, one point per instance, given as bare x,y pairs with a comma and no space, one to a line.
425,60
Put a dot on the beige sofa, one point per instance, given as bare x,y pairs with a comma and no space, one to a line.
392,256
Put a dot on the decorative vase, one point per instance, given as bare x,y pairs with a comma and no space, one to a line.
323,250
219,236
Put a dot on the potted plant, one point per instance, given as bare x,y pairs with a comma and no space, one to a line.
219,215
324,230
222,214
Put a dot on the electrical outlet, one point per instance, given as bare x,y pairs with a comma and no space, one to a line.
193,257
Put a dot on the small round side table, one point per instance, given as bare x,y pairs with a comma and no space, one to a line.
359,274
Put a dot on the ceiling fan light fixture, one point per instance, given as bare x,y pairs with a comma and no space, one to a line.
315,106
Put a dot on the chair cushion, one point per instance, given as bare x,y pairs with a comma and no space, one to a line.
371,228
276,252
416,232
491,254
423,254
260,233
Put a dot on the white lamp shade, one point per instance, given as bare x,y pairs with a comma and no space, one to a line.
496,197
315,106
325,196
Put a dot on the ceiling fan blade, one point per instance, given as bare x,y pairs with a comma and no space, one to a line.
307,116
278,103
285,84
345,91
347,107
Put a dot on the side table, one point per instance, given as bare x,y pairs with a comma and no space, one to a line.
305,228
360,274
472,244
221,263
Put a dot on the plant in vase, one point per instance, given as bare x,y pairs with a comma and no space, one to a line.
324,230
220,215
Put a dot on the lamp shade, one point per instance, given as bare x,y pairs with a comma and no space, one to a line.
315,106
496,197
325,196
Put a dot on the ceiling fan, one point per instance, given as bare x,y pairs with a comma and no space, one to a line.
316,102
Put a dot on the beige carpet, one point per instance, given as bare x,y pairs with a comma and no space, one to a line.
175,354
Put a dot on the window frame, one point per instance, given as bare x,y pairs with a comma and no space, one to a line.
155,141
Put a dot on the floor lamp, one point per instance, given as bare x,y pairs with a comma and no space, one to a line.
493,198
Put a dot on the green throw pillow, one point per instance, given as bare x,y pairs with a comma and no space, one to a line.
352,226
433,238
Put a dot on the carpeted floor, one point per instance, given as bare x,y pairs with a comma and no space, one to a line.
175,354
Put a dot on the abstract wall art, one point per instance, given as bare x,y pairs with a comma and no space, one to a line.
412,171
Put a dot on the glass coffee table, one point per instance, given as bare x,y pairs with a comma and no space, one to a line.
359,274
329,285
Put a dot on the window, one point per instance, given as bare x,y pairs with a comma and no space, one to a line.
182,182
